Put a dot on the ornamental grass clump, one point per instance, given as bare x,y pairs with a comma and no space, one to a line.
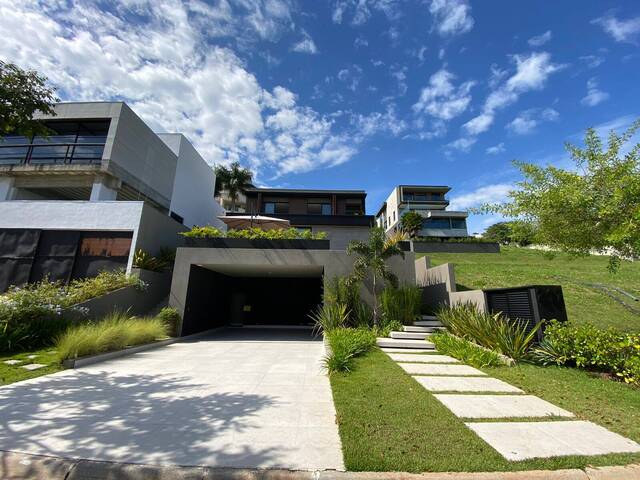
465,351
345,345
115,332
512,338
401,304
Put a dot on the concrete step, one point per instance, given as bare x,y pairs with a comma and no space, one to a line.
405,344
419,329
427,323
409,335
429,317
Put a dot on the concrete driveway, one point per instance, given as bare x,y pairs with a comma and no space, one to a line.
241,398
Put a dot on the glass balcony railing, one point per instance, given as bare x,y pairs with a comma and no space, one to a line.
69,143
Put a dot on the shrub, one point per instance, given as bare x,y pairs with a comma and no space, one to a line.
254,233
33,315
329,316
171,319
346,344
115,332
588,347
402,304
385,328
411,222
346,291
493,331
163,262
465,351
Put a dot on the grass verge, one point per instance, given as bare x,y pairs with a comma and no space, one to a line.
521,266
15,373
115,332
388,422
465,350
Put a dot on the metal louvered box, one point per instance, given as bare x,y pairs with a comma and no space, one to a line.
531,304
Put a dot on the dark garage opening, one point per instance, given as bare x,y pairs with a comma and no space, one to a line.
247,296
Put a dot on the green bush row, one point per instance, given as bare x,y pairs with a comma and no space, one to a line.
591,348
115,332
493,331
347,344
465,351
33,315
254,233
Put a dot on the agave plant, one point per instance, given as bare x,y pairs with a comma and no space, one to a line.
329,316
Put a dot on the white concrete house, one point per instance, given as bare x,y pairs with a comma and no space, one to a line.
99,187
431,203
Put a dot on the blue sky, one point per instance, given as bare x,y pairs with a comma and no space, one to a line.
350,93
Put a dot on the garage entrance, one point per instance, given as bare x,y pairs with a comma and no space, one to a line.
248,295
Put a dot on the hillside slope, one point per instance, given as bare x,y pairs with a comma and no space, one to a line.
585,303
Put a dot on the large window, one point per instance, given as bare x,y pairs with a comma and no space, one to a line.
68,142
316,208
422,197
353,208
444,223
276,207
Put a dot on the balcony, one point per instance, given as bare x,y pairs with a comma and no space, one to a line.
68,143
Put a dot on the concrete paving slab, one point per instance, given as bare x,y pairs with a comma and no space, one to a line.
466,384
500,406
33,366
408,357
524,440
227,400
12,362
433,369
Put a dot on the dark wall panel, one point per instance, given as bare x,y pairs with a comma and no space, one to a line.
208,301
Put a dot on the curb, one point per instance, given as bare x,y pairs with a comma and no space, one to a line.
22,466
102,357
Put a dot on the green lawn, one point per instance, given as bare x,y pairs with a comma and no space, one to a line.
521,266
15,373
388,422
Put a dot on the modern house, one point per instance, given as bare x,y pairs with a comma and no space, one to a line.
339,213
99,187
431,203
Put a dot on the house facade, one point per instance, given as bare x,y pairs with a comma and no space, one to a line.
430,202
100,186
339,213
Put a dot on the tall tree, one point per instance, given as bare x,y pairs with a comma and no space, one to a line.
23,93
371,261
411,223
234,180
595,206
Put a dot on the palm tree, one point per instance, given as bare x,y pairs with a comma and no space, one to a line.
372,259
234,180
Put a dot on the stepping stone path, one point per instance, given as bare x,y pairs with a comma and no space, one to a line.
470,394
33,366
13,362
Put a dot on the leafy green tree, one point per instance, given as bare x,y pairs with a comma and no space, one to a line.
595,206
234,180
411,222
22,94
516,231
498,232
371,261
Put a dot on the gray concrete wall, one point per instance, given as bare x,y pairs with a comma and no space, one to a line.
437,283
333,263
341,236
476,297
157,230
194,184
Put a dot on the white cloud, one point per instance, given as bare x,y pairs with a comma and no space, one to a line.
540,40
496,149
532,72
462,144
452,17
400,74
594,95
488,194
377,122
527,120
159,66
621,30
360,42
441,98
351,76
592,61
306,45
362,10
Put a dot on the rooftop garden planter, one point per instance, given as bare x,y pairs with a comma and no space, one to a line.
221,242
